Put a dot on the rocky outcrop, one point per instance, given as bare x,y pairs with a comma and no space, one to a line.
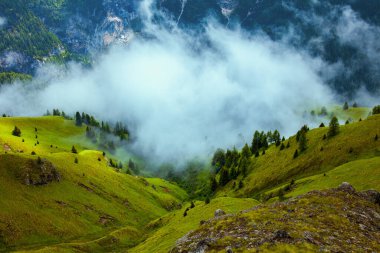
39,172
336,220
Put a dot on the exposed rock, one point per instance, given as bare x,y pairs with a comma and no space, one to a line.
281,234
341,222
39,172
371,195
219,213
346,187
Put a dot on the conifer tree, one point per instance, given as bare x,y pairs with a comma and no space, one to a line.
302,141
78,119
345,106
333,127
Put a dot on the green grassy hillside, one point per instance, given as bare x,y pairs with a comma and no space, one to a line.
168,229
278,167
336,220
92,205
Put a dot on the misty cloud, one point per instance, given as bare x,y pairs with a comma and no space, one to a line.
182,100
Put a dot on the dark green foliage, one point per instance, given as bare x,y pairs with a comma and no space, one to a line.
76,160
288,145
224,177
345,106
246,151
192,205
25,32
257,154
259,141
207,200
219,159
74,150
303,129
213,184
376,137
302,143
233,173
355,105
333,127
120,165
39,161
350,150
347,122
376,110
33,153
121,131
11,77
295,154
263,153
16,131
78,119
243,166
324,137
282,147
241,184
322,125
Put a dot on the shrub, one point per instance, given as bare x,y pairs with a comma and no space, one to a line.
322,125
376,110
74,150
76,160
192,205
282,147
295,154
33,153
207,200
16,131
376,137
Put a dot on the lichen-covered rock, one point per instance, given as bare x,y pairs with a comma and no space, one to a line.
346,187
219,213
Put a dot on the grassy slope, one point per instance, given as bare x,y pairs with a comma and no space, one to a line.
32,216
278,167
363,174
320,221
173,226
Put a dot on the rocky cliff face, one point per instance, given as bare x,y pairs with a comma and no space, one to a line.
337,220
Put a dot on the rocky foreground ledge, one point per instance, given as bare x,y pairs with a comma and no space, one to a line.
336,220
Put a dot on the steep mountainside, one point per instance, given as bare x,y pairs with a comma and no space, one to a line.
343,34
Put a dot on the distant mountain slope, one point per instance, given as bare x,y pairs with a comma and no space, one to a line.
342,33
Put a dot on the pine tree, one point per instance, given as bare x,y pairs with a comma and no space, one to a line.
74,150
322,125
243,166
288,145
295,154
302,141
282,147
333,127
376,137
355,105
213,184
224,177
16,132
246,151
345,106
78,119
